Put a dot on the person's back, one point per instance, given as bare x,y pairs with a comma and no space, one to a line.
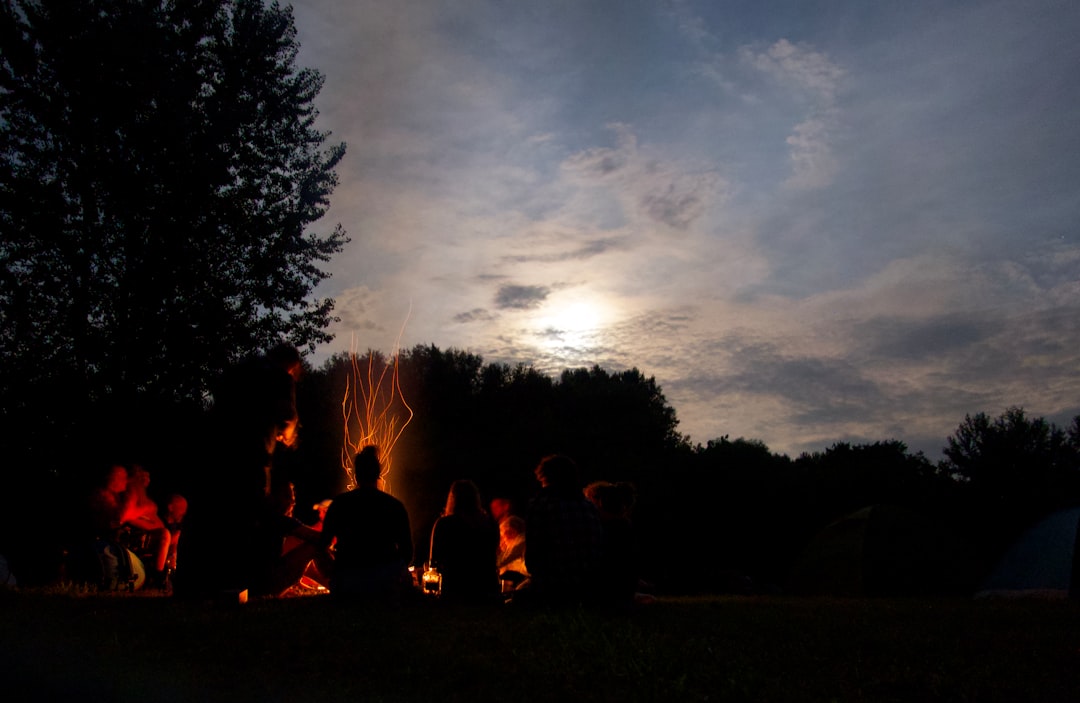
465,549
564,547
618,573
371,527
373,538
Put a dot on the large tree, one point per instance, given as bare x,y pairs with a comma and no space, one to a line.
1011,470
159,172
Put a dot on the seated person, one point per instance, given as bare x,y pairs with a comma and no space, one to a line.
300,558
512,550
143,518
111,504
114,510
175,511
564,549
618,574
374,541
464,547
320,509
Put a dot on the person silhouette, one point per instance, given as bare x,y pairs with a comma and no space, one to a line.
464,547
373,545
231,522
564,547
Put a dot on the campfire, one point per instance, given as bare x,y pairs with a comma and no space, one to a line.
374,410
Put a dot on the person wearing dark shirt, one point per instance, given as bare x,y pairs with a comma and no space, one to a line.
564,547
465,546
618,580
226,530
374,541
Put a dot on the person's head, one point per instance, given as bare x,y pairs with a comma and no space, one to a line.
558,472
616,499
511,527
176,508
367,469
284,497
464,499
116,481
500,508
287,357
139,477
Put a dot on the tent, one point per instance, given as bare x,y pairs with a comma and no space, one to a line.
1044,562
6,577
883,550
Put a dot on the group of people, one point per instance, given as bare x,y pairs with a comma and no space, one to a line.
579,545
572,544
122,515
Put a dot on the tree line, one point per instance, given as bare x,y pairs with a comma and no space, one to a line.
708,513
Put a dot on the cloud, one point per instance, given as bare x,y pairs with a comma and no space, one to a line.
800,66
646,183
805,235
520,297
909,339
475,315
812,160
813,74
587,250
357,308
679,206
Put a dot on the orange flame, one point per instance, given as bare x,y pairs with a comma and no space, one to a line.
374,410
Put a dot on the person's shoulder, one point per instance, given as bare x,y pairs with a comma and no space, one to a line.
341,500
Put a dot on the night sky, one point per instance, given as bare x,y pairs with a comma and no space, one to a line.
811,221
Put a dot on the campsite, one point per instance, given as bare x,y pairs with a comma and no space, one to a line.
757,322
67,646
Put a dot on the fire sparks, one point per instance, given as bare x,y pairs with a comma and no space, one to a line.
374,410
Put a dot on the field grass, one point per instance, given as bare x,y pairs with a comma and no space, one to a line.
57,646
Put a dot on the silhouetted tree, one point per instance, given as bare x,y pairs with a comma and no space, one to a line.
847,477
160,168
1011,470
1012,459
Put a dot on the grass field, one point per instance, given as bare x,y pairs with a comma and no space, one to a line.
56,646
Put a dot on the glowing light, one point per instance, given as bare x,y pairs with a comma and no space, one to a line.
374,410
572,324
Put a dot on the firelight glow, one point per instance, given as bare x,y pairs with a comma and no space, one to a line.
374,411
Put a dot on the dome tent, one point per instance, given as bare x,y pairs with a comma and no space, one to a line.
883,550
1043,562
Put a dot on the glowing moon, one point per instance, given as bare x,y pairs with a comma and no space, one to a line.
573,323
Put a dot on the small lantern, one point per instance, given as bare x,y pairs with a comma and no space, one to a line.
432,581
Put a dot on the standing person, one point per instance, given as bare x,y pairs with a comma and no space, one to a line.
374,541
465,546
232,515
563,550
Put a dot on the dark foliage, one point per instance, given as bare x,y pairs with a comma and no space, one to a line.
160,168
1011,470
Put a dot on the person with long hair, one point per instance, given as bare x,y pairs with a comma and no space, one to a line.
465,547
